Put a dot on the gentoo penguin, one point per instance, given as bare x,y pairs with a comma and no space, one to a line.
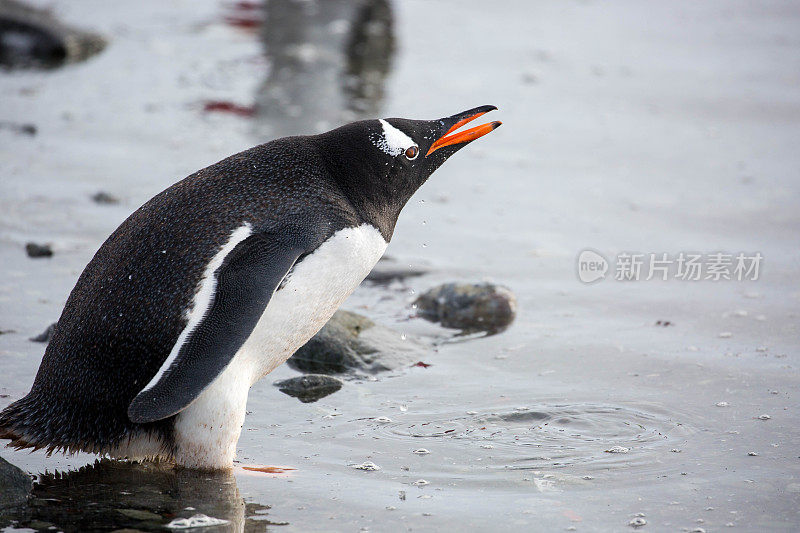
216,281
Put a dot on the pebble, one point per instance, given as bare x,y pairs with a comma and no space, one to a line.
103,197
309,388
420,483
35,250
421,451
752,454
722,404
764,417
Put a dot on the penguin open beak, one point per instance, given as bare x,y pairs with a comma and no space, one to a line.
451,136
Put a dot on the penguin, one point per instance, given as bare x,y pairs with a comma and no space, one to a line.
216,281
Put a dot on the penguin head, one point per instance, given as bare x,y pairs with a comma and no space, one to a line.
381,163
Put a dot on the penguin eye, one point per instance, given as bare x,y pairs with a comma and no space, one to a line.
412,152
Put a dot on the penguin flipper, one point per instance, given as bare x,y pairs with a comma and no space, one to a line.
246,281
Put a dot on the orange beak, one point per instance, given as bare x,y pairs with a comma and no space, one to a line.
453,137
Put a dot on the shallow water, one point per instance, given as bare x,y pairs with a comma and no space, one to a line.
627,127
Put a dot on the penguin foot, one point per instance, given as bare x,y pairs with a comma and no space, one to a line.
266,469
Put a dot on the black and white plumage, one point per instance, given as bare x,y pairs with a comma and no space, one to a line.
216,281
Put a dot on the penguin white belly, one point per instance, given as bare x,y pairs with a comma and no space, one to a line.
206,432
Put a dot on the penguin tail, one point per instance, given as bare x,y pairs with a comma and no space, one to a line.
17,424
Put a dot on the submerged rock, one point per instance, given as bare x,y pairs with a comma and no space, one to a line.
38,250
19,128
468,306
309,388
46,335
33,38
350,342
15,485
388,270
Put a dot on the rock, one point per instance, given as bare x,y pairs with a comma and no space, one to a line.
309,388
46,335
15,485
34,38
103,197
38,250
350,342
388,270
468,306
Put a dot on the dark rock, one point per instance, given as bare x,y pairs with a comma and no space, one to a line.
22,129
15,485
350,342
468,306
309,388
103,197
46,335
38,250
33,38
388,270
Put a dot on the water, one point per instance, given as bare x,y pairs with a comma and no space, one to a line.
627,127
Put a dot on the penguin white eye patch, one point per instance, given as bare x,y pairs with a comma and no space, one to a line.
394,142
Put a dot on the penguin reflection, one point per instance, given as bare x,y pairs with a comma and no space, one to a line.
109,495
328,62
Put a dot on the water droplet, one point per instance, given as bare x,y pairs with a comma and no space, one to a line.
472,412
196,521
725,335
764,417
618,449
383,420
421,451
420,483
722,404
487,446
367,466
637,522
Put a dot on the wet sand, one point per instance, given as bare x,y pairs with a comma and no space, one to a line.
627,128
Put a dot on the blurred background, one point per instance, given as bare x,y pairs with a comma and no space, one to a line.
629,127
